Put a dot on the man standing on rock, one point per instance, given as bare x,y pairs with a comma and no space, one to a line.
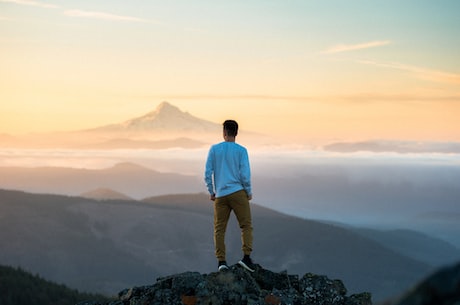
228,179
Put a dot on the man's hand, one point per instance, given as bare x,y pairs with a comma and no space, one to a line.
213,197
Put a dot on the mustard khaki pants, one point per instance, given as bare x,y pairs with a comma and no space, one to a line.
239,203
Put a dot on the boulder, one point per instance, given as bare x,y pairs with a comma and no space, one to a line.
237,286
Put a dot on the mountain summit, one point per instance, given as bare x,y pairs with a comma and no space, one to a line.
237,286
165,118
165,127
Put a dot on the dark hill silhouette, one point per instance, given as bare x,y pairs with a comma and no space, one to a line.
298,244
422,247
440,288
105,246
105,194
19,287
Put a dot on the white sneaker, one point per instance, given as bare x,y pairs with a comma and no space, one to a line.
223,266
247,264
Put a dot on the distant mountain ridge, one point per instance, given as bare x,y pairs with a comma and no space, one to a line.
128,178
104,246
105,194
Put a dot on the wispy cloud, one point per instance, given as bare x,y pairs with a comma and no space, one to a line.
420,72
353,47
105,16
31,3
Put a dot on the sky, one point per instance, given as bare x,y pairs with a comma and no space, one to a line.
314,70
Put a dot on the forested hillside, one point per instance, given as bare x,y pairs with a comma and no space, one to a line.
18,287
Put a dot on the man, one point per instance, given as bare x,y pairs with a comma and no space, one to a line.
228,179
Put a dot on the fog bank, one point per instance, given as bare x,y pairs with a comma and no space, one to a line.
379,190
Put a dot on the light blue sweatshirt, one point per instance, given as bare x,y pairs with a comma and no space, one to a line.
227,169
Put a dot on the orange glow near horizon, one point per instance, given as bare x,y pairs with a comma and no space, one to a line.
303,121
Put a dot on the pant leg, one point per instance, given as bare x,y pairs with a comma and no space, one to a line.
241,207
221,215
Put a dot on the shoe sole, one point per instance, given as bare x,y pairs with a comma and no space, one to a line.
223,268
242,264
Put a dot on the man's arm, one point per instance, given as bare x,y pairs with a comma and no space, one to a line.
245,172
208,173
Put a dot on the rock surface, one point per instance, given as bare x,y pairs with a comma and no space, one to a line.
237,286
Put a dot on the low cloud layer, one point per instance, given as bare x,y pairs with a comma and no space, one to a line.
395,146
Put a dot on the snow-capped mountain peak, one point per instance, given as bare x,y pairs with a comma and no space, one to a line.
165,118
164,109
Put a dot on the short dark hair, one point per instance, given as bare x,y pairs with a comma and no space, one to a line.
231,127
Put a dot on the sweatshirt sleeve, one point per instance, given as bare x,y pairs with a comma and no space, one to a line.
245,172
209,171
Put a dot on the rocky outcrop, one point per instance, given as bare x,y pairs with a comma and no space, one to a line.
237,286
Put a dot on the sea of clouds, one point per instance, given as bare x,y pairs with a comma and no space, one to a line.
385,190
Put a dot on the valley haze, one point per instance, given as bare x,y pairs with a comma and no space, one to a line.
375,187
